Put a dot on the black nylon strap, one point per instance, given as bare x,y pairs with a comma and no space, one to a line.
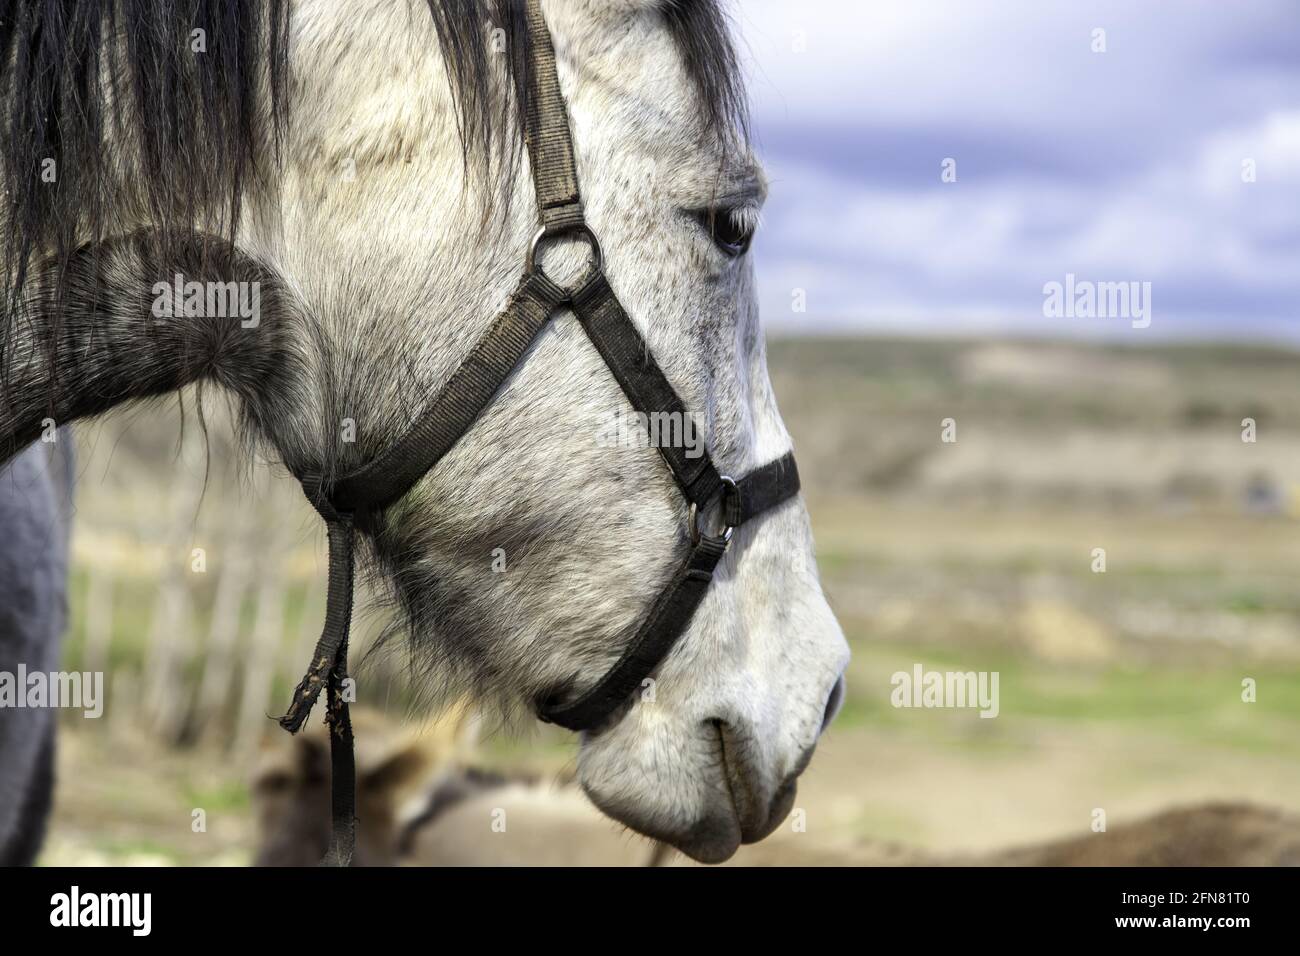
628,357
338,620
550,143
651,644
450,414
761,489
343,768
328,669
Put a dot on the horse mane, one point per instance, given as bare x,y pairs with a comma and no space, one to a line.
202,127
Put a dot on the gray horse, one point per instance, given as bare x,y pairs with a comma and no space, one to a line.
35,515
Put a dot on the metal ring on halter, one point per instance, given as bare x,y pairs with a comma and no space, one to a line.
581,230
694,516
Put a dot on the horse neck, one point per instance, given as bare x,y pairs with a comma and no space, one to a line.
90,336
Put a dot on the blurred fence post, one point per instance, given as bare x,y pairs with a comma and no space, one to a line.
256,703
99,618
170,643
235,574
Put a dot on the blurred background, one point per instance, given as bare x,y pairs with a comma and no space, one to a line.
934,165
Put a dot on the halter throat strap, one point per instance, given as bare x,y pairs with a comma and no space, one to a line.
351,498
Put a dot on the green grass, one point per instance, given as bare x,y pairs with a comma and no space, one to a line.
229,795
1200,704
138,846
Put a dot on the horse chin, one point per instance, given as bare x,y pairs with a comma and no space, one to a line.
713,838
704,791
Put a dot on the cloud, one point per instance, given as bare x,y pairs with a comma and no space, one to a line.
1123,165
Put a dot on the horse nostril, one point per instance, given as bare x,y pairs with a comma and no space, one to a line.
833,703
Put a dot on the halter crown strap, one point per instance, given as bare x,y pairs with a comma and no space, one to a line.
549,139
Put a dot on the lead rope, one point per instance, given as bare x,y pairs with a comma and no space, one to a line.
329,669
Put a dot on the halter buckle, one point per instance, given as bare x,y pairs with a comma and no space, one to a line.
578,230
693,518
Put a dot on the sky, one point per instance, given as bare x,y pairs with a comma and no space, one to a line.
1115,157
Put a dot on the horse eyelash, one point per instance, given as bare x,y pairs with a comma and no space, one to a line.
746,217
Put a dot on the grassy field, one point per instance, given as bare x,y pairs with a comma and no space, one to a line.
1120,690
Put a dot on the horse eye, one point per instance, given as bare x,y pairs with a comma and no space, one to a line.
731,228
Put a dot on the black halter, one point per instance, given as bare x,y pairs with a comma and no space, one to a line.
387,477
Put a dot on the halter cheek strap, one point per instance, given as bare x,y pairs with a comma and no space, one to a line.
452,412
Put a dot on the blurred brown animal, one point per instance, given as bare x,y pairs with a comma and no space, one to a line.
291,791
417,804
523,823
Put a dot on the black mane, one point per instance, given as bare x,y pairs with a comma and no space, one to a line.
205,127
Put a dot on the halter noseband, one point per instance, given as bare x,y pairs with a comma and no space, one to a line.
451,413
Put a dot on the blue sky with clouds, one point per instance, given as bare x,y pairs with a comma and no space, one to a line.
1117,166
